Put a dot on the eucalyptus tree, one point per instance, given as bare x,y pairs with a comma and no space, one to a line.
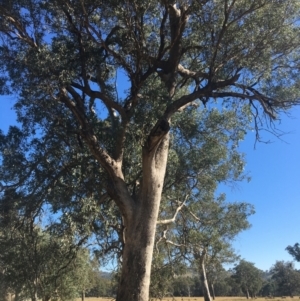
163,274
294,251
248,277
217,275
205,230
65,61
286,278
37,260
78,277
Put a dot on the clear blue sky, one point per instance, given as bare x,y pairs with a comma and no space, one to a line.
274,190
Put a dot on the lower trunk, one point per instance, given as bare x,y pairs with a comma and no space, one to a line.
83,295
206,292
46,298
34,290
140,228
5,296
247,294
34,297
17,294
137,258
213,291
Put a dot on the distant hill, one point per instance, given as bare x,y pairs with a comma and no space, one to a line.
106,275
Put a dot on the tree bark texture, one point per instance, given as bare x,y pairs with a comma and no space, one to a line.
141,226
213,291
203,277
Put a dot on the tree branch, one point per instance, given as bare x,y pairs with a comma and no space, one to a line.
172,220
109,103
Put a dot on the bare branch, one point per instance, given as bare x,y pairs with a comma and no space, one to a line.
109,103
87,134
162,35
167,241
20,32
172,220
188,73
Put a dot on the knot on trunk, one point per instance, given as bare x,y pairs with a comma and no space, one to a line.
162,127
157,134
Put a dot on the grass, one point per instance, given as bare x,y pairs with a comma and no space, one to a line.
202,299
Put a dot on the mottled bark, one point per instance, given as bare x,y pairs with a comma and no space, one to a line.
141,226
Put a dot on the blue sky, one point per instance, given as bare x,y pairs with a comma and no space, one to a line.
274,190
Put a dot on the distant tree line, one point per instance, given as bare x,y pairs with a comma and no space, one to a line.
282,279
46,263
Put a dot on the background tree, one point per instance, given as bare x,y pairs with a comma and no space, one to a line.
234,287
71,55
248,277
269,288
184,285
38,261
217,276
286,278
102,285
294,251
205,231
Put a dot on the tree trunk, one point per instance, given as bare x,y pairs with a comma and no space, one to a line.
16,296
213,291
189,291
34,296
206,292
247,294
5,296
83,295
46,298
140,228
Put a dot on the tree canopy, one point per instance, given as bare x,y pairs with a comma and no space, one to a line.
108,92
294,251
248,277
286,278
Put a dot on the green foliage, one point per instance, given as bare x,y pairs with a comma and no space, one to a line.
96,81
102,287
248,277
269,288
184,286
164,274
39,262
294,251
286,278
